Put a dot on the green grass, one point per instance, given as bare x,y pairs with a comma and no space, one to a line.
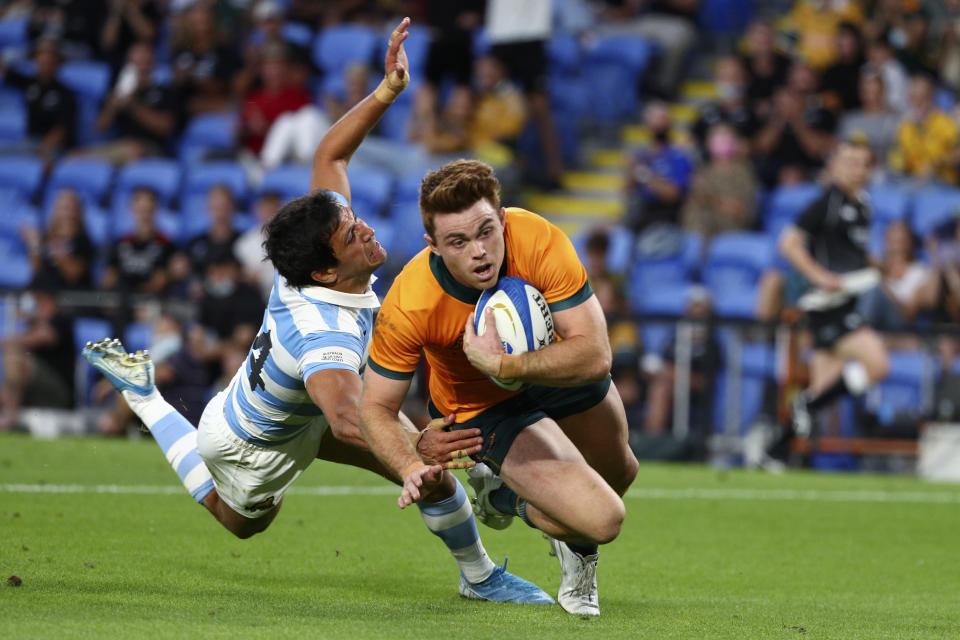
734,561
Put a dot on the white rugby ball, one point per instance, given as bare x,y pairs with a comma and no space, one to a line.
523,319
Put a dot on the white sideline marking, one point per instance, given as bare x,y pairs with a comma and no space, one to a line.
784,495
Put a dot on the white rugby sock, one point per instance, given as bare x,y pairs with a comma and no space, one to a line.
452,521
176,437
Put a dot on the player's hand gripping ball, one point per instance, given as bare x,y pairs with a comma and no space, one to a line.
523,319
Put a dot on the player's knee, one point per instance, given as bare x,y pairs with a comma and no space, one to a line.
607,527
878,367
245,530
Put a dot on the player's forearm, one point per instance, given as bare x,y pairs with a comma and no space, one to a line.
346,429
343,138
386,437
573,362
792,248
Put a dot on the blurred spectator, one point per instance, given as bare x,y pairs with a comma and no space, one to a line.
450,56
915,55
51,106
723,195
248,248
38,363
276,96
447,132
874,120
63,255
927,137
140,112
127,22
500,113
75,23
188,268
949,45
731,108
839,85
896,82
658,176
705,361
894,304
138,262
268,19
767,68
671,24
798,134
203,61
611,285
941,292
815,23
518,33
356,80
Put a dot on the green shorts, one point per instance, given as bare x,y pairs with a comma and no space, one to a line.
502,422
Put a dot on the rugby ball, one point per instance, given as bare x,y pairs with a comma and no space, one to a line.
523,319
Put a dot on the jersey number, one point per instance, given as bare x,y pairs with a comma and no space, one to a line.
263,344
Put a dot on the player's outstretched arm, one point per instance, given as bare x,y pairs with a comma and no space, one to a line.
337,146
337,392
582,357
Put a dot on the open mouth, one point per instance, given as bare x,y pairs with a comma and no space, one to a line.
484,271
377,251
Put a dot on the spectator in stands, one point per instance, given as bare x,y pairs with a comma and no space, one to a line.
51,106
815,23
518,33
248,249
916,56
948,69
268,19
128,22
797,135
447,132
839,85
140,112
450,56
723,195
356,80
500,113
705,361
658,175
894,304
63,255
941,291
896,82
38,362
187,268
927,137
138,262
75,24
203,61
671,24
731,108
874,119
767,68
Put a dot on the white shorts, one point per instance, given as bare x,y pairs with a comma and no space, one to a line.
251,479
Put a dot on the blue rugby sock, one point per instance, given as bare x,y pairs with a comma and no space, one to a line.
452,521
506,500
177,438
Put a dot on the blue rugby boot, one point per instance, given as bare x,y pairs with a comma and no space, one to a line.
126,371
501,586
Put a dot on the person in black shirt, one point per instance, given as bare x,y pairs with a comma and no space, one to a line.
51,106
731,107
138,262
830,239
128,22
140,111
840,86
62,256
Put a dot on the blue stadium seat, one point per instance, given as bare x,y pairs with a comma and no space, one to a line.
159,174
726,17
16,271
735,262
201,177
408,186
290,181
889,202
90,81
655,336
90,177
22,173
786,203
339,46
16,215
297,33
757,368
671,273
13,121
86,330
13,32
408,236
137,336
370,190
619,253
564,56
97,221
614,65
903,389
214,132
934,206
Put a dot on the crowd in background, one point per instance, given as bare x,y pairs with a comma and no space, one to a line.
785,90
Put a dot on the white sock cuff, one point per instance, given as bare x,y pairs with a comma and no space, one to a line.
149,408
856,378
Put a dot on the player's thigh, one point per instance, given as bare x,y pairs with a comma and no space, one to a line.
825,368
865,345
601,433
545,468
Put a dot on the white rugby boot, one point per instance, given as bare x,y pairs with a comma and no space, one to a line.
578,580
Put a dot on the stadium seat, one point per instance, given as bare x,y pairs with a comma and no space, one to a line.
786,203
17,214
14,32
138,335
210,132
564,56
905,388
201,177
290,181
619,253
409,242
89,81
933,207
90,177
370,190
297,33
757,367
889,202
614,64
97,221
159,174
86,330
672,273
725,17
21,173
339,46
13,121
735,262
16,271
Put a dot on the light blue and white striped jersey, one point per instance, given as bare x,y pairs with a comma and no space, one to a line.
304,330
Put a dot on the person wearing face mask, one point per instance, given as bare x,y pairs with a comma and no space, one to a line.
658,175
722,197
731,107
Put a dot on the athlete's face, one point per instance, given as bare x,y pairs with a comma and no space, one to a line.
851,166
357,250
470,243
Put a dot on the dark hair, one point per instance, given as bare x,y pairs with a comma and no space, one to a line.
598,241
457,186
297,239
